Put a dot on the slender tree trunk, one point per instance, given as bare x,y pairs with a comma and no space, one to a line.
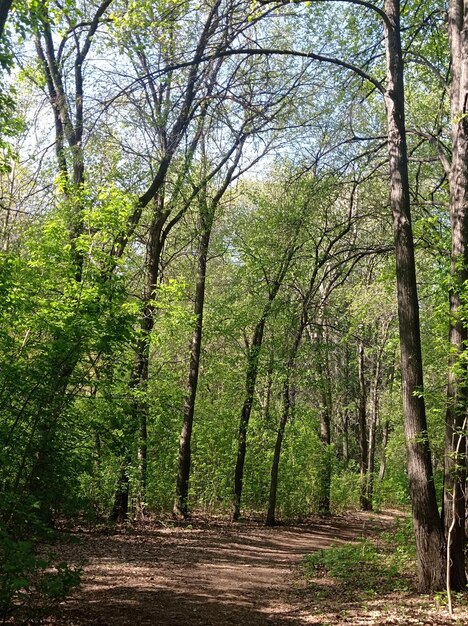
386,426
364,444
321,342
288,402
326,469
184,461
374,413
285,415
345,443
253,354
457,389
140,375
268,389
429,535
250,382
383,459
122,494
345,422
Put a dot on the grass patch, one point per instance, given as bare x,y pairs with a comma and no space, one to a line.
369,566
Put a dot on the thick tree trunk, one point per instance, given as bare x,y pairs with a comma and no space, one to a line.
182,487
429,535
457,390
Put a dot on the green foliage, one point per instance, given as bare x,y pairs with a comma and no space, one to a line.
30,586
383,566
345,487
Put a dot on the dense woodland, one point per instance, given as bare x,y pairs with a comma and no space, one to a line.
233,266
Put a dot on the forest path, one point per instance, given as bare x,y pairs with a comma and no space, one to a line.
204,574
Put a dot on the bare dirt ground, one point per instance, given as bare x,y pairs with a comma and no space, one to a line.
222,574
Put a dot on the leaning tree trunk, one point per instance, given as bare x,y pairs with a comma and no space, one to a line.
430,543
457,390
253,355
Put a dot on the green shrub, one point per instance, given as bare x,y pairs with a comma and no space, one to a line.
342,562
365,565
30,585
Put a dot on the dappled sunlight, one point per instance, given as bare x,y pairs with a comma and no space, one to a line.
225,574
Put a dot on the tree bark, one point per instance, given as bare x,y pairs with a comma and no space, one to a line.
184,461
140,375
325,423
122,494
250,382
253,354
374,413
364,444
285,416
457,390
345,443
429,535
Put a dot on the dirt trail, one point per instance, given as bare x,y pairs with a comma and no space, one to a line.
200,575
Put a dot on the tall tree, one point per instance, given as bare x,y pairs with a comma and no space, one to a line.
457,390
430,540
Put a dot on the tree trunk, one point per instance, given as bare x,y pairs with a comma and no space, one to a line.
364,457
250,381
430,544
326,470
253,354
455,439
122,494
374,412
383,459
271,513
345,443
182,487
140,375
288,403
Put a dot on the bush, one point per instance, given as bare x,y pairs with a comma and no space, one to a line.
29,585
365,565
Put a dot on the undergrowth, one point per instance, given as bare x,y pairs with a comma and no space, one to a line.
30,586
368,565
